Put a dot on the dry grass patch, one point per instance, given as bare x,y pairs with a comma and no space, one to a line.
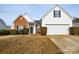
19,44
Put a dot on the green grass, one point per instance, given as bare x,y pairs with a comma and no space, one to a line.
22,44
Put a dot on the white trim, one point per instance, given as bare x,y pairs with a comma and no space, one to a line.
57,24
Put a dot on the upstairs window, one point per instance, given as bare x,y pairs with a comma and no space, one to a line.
57,13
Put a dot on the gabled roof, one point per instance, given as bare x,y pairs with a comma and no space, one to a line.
2,22
18,18
60,8
38,22
27,17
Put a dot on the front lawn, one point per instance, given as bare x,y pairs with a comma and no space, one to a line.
27,44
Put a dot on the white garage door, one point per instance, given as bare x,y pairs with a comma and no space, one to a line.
58,29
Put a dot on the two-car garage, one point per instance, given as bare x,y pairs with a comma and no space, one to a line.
57,29
57,21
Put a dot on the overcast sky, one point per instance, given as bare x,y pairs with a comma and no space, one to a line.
9,12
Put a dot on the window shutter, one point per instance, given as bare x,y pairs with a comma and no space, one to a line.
54,13
59,13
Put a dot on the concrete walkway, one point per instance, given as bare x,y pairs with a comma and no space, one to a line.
67,45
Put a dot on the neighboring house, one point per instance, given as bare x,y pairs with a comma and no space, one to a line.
76,22
2,25
57,21
24,21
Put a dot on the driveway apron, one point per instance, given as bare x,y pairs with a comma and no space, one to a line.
67,45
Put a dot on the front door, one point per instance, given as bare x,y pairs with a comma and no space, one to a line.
31,30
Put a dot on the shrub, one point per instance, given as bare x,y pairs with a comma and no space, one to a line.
20,32
78,33
26,31
43,30
4,32
39,32
74,30
13,32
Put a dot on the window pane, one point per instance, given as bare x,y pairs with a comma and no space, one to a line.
57,13
20,27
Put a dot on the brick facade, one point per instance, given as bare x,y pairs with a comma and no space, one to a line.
21,21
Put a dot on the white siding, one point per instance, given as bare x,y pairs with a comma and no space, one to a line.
34,29
49,19
65,21
12,26
75,24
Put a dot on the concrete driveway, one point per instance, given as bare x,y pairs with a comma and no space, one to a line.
67,44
